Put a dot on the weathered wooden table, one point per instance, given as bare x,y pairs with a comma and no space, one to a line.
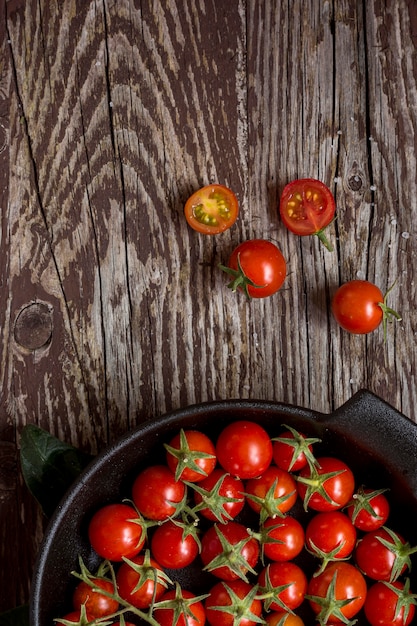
113,311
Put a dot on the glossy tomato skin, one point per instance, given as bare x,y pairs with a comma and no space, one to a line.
166,617
219,596
283,538
127,583
328,531
375,559
171,548
196,442
281,618
262,263
339,488
212,209
156,493
283,453
233,533
350,585
231,487
356,306
381,606
365,520
307,206
287,574
244,449
96,604
285,490
114,534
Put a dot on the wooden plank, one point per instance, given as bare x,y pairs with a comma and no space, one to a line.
112,310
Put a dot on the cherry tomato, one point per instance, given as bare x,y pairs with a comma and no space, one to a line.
359,307
292,450
141,581
244,449
369,509
237,594
222,494
191,456
257,268
212,209
328,486
272,493
282,538
330,535
228,551
156,493
282,618
389,605
191,610
287,584
172,546
349,584
383,554
306,207
96,604
115,531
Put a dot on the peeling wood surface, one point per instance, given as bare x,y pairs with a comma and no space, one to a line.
112,311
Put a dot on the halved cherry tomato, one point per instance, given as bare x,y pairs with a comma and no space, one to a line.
212,209
306,207
257,267
359,307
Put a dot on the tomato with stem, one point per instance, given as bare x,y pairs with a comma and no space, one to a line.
180,607
229,551
390,603
219,497
175,544
212,209
383,554
97,604
156,493
328,486
307,207
191,455
271,494
234,602
282,586
369,509
116,531
330,536
282,539
257,267
141,581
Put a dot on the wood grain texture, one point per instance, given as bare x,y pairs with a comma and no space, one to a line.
111,114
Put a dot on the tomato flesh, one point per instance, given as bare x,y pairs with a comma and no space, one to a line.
307,206
212,209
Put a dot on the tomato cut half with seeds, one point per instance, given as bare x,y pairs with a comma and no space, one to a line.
306,207
212,209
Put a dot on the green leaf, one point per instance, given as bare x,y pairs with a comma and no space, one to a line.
15,617
49,466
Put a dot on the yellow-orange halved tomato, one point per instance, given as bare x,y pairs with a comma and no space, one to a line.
212,209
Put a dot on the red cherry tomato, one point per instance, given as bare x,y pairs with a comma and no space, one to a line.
369,509
306,207
330,535
383,554
141,583
359,307
228,551
349,585
244,449
288,584
222,494
292,450
156,493
114,532
96,604
186,610
172,547
257,267
238,593
328,486
212,209
282,538
272,493
191,455
282,618
389,605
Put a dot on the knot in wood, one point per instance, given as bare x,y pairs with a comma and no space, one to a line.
355,182
33,327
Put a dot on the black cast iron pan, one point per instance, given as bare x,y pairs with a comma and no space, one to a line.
378,442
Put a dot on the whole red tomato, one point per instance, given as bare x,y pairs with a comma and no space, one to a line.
212,209
292,450
219,497
369,509
156,493
244,449
191,455
238,598
228,551
349,585
282,538
306,207
330,535
286,583
115,531
359,307
272,493
389,604
383,554
257,267
172,546
328,486
185,609
96,604
141,581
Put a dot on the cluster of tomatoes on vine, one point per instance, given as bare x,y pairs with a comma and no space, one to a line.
257,266
276,530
